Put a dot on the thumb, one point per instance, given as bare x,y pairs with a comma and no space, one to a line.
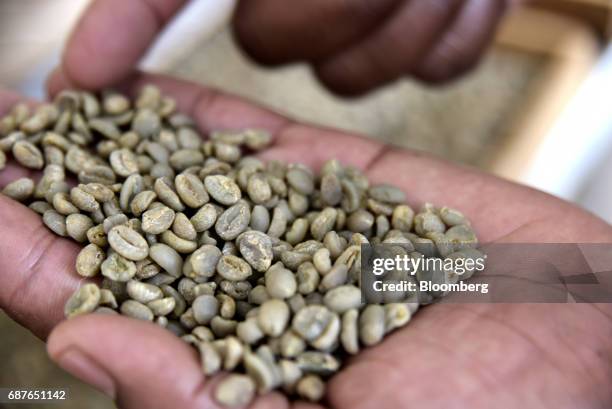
138,364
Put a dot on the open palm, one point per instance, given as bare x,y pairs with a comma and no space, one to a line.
462,355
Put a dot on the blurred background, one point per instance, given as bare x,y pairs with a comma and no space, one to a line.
538,110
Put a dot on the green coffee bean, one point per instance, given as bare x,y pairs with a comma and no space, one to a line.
323,223
372,325
343,298
191,190
55,222
311,388
233,221
222,327
349,334
77,226
337,276
249,331
205,308
28,155
179,244
318,363
118,268
83,301
311,321
146,123
183,227
387,194
135,309
157,220
107,298
20,190
222,189
141,202
143,292
233,268
273,317
256,248
280,282
167,195
128,243
235,391
308,278
261,372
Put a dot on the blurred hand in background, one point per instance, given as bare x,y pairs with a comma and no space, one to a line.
354,46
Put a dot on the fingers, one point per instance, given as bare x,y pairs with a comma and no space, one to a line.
356,45
392,51
37,270
465,41
111,37
162,371
278,31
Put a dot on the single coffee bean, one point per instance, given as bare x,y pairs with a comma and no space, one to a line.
233,268
349,333
162,307
179,244
311,388
323,223
222,327
205,307
235,391
20,190
256,248
387,194
262,372
222,189
135,309
233,221
191,190
343,298
249,331
318,363
167,195
118,268
273,317
143,292
157,220
183,227
77,226
280,282
167,258
141,202
55,222
83,301
372,325
28,155
308,278
205,218
311,321
128,243
210,358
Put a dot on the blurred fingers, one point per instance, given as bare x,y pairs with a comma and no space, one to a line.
278,31
162,370
111,38
392,51
465,41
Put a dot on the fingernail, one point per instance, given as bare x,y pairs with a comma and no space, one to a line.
83,367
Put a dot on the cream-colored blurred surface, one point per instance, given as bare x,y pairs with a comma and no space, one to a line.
460,121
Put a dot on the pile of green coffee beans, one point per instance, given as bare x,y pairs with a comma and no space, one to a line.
255,264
